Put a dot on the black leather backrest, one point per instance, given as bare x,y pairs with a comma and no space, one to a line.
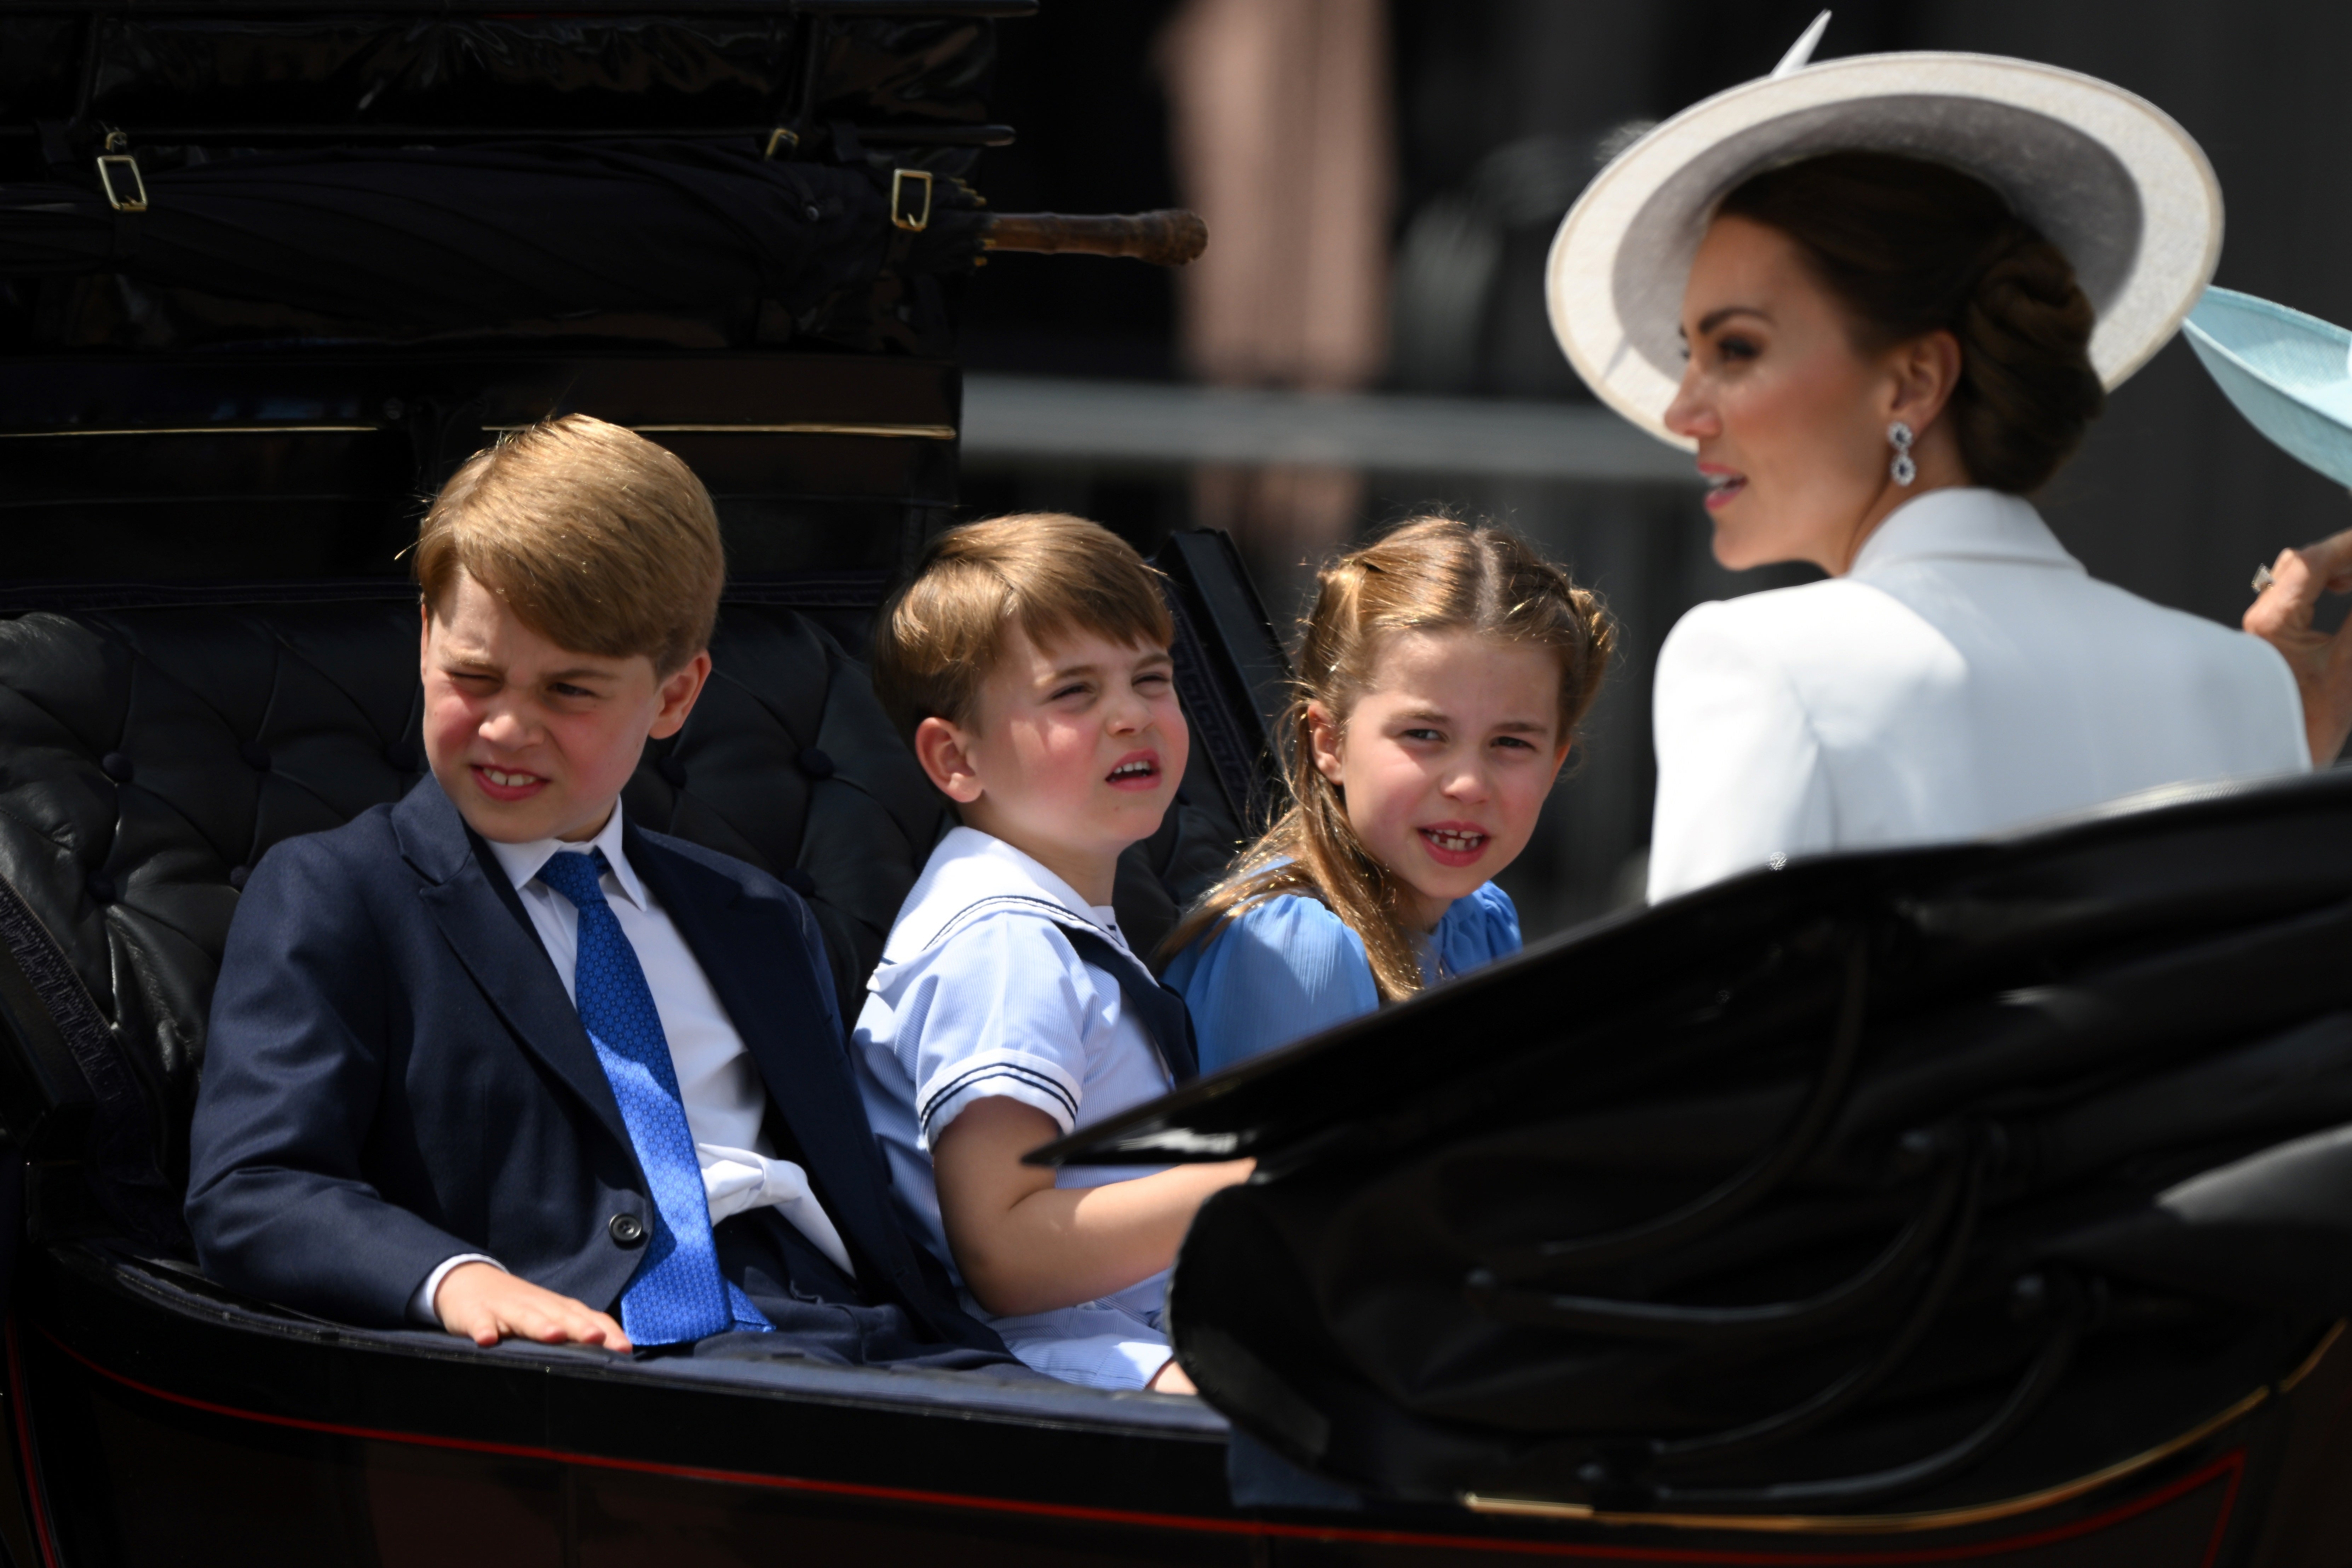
150,756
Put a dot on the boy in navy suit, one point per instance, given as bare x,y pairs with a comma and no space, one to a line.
497,1059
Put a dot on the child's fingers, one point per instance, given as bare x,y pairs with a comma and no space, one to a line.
563,1322
1170,1379
507,1308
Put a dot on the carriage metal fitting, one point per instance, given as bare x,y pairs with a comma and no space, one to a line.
904,213
118,156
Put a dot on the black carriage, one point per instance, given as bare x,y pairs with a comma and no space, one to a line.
207,644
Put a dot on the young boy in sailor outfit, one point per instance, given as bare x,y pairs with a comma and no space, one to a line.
1027,662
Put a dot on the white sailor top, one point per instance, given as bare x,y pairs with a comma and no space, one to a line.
979,993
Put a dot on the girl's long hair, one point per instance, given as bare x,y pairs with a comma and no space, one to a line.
1428,574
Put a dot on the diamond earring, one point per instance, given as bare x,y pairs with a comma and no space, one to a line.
1902,470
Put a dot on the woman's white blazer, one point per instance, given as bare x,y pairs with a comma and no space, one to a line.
1966,675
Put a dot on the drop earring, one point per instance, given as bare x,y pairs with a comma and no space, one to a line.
1902,470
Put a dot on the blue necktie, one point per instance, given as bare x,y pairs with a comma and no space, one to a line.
678,1294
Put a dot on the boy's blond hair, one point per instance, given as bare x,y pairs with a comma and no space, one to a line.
596,537
1048,572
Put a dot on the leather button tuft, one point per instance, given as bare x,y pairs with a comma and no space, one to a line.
116,765
236,876
815,764
627,1229
101,886
401,758
256,755
670,768
798,880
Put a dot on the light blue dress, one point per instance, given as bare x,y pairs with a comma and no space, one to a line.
1288,968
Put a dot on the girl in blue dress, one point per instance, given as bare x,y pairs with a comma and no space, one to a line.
1440,682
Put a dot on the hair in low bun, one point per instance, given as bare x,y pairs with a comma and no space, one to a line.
1912,248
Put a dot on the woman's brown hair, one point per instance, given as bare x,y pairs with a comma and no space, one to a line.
1430,574
1911,248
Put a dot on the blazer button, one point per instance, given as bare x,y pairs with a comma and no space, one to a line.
627,1229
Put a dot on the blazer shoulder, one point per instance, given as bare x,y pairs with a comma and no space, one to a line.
1805,643
362,845
1774,618
741,872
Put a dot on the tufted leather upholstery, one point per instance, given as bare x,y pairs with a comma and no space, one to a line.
150,755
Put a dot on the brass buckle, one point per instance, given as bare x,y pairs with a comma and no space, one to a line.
903,213
780,137
110,161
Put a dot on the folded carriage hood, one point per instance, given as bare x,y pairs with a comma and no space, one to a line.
1944,918
1937,1176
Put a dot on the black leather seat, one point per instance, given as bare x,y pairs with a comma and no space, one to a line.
150,755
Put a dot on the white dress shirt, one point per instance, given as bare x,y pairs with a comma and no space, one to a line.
725,1101
1966,675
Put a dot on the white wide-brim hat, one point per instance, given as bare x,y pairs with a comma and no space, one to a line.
2102,173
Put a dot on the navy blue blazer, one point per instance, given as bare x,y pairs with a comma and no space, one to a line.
394,1074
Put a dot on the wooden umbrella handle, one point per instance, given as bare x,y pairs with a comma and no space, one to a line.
1166,238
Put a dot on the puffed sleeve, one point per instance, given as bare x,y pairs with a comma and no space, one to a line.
1005,1008
1740,767
1279,972
1481,927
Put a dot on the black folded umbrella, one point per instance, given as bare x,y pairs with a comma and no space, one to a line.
1937,1175
447,238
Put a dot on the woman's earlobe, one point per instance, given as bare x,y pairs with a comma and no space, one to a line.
1930,380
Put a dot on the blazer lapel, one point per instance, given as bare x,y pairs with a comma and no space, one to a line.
479,914
755,963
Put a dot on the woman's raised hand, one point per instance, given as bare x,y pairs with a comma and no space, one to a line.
2282,617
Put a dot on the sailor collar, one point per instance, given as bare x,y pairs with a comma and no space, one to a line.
971,874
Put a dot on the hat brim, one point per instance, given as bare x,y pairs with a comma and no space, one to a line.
2104,175
2289,374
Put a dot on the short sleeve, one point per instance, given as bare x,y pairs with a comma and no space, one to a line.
1279,972
1740,776
1004,1008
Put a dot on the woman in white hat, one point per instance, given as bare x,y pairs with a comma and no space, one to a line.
1902,284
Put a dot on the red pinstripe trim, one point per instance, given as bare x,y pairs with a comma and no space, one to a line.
2236,1459
2231,1464
25,1459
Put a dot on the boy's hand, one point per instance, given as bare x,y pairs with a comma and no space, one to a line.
486,1305
1170,1379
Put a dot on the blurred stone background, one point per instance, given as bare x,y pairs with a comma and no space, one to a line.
1366,337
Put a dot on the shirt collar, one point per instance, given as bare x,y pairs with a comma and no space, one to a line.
1961,524
969,866
521,861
